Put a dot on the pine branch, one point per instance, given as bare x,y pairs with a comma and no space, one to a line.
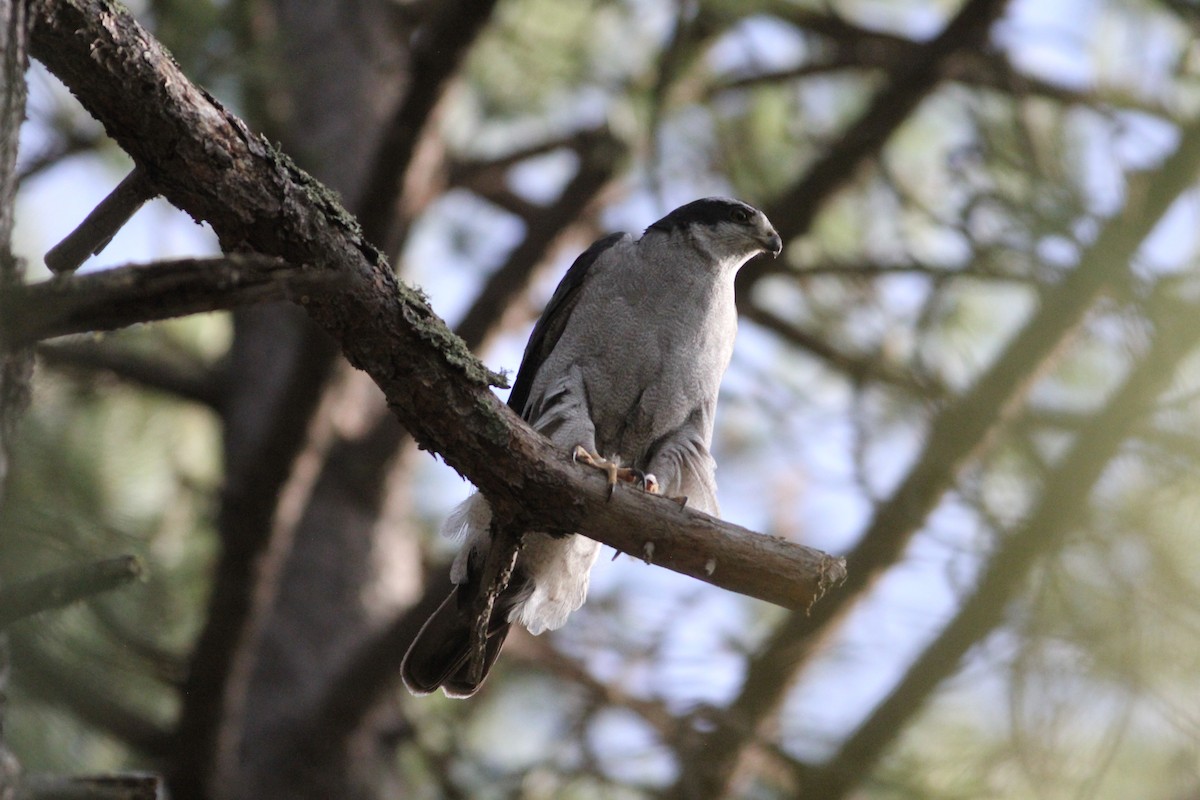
118,298
436,54
855,48
853,366
599,155
67,143
65,586
486,176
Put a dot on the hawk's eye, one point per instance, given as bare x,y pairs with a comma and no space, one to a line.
740,215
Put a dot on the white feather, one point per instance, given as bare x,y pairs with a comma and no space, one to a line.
470,519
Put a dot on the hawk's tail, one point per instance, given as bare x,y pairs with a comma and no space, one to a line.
440,656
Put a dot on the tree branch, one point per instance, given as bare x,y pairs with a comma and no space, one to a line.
117,298
208,164
189,381
485,176
853,366
598,157
101,225
65,586
70,142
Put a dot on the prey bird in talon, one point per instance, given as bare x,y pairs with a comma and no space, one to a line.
627,361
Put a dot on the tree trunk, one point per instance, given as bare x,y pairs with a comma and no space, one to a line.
298,589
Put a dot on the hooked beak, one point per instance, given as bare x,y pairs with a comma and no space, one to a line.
772,243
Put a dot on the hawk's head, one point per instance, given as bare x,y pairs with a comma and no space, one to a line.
722,228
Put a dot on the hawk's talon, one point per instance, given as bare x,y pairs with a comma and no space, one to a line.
614,471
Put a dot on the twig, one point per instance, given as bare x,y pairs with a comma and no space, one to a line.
65,586
125,296
854,366
541,654
485,176
71,142
854,48
102,224
497,571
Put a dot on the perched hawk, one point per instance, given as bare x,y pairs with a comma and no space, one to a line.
622,370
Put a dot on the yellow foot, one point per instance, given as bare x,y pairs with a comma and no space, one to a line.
614,471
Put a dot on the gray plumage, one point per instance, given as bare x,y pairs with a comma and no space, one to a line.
626,361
